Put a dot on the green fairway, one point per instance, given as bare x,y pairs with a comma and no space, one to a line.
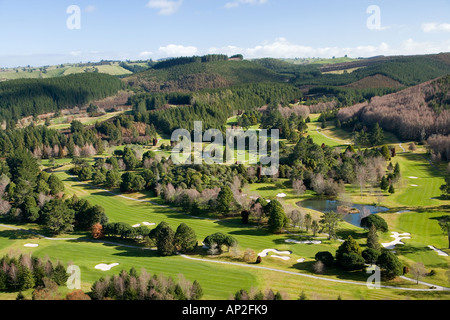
420,183
218,281
336,137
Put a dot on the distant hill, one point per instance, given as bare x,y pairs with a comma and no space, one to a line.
114,68
375,81
393,71
193,76
32,97
415,113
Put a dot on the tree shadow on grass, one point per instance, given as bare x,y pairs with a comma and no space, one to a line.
439,218
123,247
267,188
344,234
250,232
307,266
129,252
237,224
17,235
333,270
431,170
408,249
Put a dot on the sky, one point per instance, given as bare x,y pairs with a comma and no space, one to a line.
45,32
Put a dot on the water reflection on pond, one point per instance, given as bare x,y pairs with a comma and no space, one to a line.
353,210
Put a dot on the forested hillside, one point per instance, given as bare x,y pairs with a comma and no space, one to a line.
213,107
403,70
198,73
415,113
32,97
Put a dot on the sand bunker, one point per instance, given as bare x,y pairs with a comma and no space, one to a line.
280,257
414,185
265,252
303,242
281,195
413,178
398,237
403,211
31,245
300,260
440,252
106,267
143,224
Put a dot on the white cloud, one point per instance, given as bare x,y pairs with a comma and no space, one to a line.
435,27
90,9
282,48
165,7
173,50
145,54
237,3
75,53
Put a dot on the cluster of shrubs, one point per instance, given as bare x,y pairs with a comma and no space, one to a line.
167,241
133,286
243,295
351,257
28,272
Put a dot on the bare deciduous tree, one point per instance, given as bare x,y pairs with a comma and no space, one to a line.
319,267
298,186
418,271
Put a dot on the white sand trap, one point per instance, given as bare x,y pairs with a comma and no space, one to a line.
280,257
303,242
440,252
414,185
136,225
398,237
31,245
413,178
106,267
265,252
148,224
282,195
301,260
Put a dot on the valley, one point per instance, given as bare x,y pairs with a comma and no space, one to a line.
97,188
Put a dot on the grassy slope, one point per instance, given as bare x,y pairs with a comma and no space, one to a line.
11,74
62,122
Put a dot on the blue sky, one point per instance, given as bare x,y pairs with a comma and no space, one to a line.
36,32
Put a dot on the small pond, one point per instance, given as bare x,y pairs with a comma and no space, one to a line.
352,209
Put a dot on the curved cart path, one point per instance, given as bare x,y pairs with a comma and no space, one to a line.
437,288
